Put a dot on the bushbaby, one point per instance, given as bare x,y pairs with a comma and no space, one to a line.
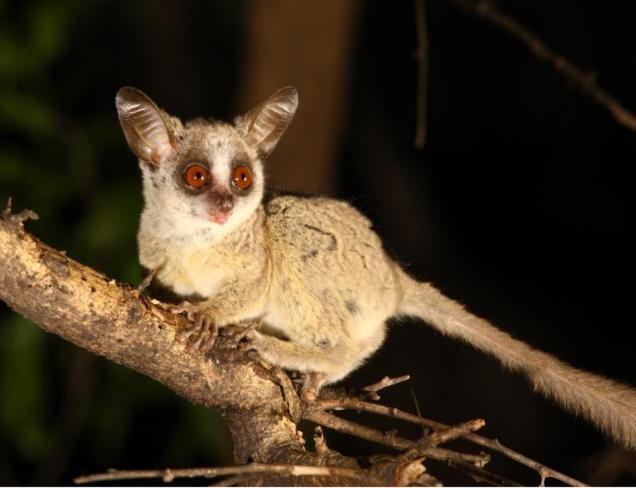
309,269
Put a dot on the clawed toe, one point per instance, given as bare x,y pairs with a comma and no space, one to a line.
202,335
206,333
203,332
187,308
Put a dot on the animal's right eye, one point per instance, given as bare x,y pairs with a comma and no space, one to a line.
196,176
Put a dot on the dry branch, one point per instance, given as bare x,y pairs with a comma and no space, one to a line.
448,432
372,390
260,404
423,449
94,312
169,475
485,10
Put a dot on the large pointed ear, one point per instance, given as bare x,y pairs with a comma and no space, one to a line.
143,125
264,125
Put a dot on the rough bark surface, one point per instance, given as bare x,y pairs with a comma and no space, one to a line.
258,400
94,312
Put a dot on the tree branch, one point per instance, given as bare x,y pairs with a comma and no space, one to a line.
97,314
169,475
258,400
94,312
447,433
485,10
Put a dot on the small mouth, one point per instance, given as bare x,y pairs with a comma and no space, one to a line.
219,218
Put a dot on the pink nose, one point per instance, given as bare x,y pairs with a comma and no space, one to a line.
222,201
226,203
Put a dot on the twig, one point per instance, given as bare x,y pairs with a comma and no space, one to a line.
485,10
336,423
484,476
421,54
416,403
319,441
169,475
493,444
437,438
385,382
390,439
442,436
418,411
20,217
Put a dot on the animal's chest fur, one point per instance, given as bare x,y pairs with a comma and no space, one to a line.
190,272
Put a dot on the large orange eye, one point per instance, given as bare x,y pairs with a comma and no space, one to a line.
196,176
242,177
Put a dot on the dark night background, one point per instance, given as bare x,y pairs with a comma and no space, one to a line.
517,206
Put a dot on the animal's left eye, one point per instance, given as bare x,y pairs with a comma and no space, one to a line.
196,176
242,177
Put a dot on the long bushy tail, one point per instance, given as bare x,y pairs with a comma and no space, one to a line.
610,405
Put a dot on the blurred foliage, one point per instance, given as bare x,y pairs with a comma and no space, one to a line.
23,418
67,160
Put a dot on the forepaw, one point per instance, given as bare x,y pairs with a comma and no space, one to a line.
203,332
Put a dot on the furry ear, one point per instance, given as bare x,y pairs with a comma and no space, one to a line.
264,125
143,125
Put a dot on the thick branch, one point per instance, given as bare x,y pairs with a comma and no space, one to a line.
259,401
94,312
97,314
